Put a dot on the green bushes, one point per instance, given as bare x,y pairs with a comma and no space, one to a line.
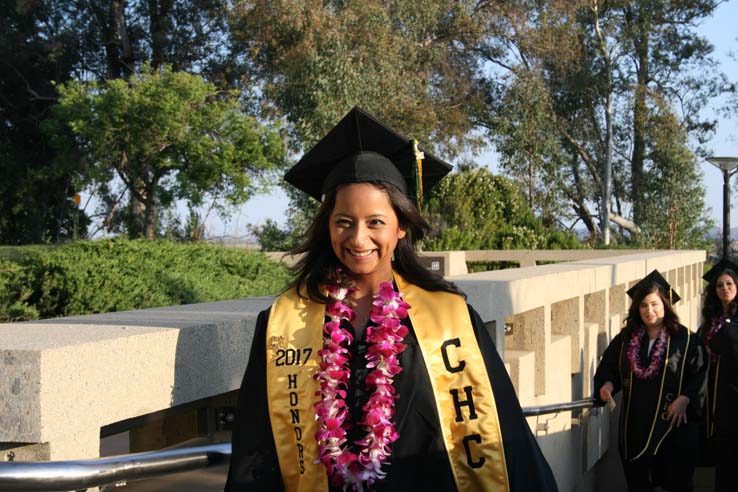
475,209
117,275
14,293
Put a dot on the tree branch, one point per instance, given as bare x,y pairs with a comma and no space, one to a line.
582,152
626,224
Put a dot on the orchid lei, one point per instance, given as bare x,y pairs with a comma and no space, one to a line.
657,354
346,468
717,323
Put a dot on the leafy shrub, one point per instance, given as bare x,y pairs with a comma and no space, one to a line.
14,293
115,275
475,209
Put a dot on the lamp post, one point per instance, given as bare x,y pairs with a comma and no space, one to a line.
728,166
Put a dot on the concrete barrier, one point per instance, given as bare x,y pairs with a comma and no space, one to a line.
559,318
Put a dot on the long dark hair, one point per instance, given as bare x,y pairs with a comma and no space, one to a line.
319,260
634,321
712,307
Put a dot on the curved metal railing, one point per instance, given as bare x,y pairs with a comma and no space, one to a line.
559,407
80,475
41,476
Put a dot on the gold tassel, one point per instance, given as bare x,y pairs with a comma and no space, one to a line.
419,156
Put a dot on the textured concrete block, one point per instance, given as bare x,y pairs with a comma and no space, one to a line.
567,319
522,369
20,394
559,369
64,379
531,331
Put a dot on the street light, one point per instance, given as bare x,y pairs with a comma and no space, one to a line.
727,165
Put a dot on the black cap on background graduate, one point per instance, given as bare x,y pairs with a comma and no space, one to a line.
654,278
360,148
720,267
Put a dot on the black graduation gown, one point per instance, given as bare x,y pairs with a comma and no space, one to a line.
418,460
708,417
725,344
644,397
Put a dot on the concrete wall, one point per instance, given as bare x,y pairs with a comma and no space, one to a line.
453,263
65,379
560,318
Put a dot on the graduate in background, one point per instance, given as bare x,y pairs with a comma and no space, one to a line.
719,332
370,372
660,366
718,307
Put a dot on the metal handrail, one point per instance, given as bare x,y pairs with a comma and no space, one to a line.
560,407
46,476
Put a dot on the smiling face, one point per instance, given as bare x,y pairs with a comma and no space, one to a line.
651,309
364,231
725,289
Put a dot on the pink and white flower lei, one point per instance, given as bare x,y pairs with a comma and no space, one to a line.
345,468
657,354
715,326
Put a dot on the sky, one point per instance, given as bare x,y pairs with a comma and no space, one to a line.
721,30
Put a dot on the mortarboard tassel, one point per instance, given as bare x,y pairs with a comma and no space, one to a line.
419,156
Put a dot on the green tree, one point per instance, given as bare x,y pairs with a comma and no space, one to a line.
604,69
165,135
36,196
43,43
402,61
523,128
672,184
474,209
115,38
272,237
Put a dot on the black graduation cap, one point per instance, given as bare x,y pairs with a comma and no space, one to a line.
720,267
360,148
655,278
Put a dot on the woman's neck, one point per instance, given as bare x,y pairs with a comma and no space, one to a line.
368,285
726,308
362,307
653,331
365,288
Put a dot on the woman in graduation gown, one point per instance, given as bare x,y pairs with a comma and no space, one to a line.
370,372
660,366
720,334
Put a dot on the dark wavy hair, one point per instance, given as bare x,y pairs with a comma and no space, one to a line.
634,321
712,305
319,260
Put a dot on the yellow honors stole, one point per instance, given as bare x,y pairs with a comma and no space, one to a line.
294,336
464,398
